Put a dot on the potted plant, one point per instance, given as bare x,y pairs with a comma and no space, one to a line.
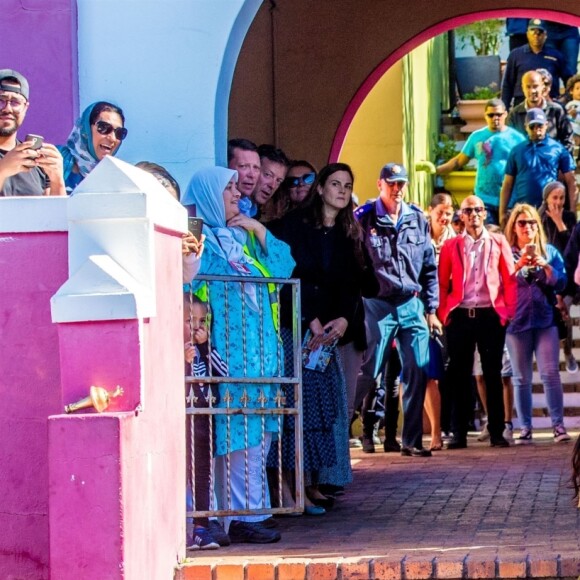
459,183
472,107
478,77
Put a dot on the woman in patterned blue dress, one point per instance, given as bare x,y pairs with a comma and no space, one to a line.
243,329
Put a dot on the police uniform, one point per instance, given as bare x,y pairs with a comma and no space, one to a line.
403,260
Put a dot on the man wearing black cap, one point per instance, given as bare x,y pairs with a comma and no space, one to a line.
23,170
397,238
531,57
534,163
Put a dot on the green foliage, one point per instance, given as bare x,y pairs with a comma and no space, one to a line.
482,93
445,149
483,36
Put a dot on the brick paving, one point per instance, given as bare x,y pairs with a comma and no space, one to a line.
474,513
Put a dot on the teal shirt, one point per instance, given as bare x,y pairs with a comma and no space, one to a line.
491,149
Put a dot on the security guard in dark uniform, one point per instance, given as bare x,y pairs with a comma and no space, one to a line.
397,239
532,57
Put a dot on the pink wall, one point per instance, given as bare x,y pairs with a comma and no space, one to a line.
117,488
34,266
39,40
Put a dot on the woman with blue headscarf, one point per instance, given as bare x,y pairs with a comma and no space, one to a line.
244,331
98,132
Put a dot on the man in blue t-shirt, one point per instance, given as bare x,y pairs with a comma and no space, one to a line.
534,163
491,146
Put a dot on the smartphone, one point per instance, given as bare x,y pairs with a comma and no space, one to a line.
531,249
37,140
195,226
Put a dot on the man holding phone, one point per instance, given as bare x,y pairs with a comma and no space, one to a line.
30,167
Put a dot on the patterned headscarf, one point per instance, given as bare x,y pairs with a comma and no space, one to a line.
79,147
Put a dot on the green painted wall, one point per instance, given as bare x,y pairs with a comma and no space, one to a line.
425,95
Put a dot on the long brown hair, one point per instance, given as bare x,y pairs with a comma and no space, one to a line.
510,228
314,207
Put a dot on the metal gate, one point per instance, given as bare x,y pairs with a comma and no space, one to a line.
235,398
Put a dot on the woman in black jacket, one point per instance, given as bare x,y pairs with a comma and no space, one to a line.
325,241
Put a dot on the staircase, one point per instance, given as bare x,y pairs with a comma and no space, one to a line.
570,384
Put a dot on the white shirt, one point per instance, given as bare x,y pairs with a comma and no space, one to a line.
475,291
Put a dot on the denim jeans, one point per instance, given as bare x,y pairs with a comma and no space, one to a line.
405,323
522,346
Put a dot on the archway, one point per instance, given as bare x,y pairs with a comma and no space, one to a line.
303,70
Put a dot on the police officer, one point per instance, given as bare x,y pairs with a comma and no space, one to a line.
397,238
532,56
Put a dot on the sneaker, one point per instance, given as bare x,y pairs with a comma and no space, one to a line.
368,445
484,435
354,443
252,533
560,434
218,533
571,364
201,539
525,437
508,433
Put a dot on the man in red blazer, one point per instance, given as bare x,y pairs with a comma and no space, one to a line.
477,297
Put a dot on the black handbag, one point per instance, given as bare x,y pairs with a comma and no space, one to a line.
560,323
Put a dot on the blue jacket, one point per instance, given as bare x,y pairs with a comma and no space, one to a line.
402,255
535,297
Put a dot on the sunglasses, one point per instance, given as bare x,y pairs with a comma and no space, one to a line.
104,128
524,223
470,210
492,115
306,179
15,104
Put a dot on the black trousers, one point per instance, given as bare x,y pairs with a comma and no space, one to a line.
466,329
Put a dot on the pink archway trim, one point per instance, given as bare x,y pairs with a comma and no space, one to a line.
422,37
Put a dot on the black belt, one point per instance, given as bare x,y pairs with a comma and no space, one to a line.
475,312
398,299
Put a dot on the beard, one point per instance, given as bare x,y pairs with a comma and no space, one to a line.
9,130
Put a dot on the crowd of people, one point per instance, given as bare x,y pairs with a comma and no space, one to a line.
408,304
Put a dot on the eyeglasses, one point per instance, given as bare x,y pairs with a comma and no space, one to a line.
470,210
306,179
15,104
492,115
524,223
104,128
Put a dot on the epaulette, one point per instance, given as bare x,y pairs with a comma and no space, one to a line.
363,209
415,207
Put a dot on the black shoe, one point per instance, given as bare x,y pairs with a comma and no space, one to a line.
326,503
330,490
252,533
415,452
218,533
269,523
498,442
391,446
368,445
456,443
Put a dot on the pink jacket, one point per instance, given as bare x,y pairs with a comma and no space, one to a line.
500,276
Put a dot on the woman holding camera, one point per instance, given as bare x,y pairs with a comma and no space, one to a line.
540,273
